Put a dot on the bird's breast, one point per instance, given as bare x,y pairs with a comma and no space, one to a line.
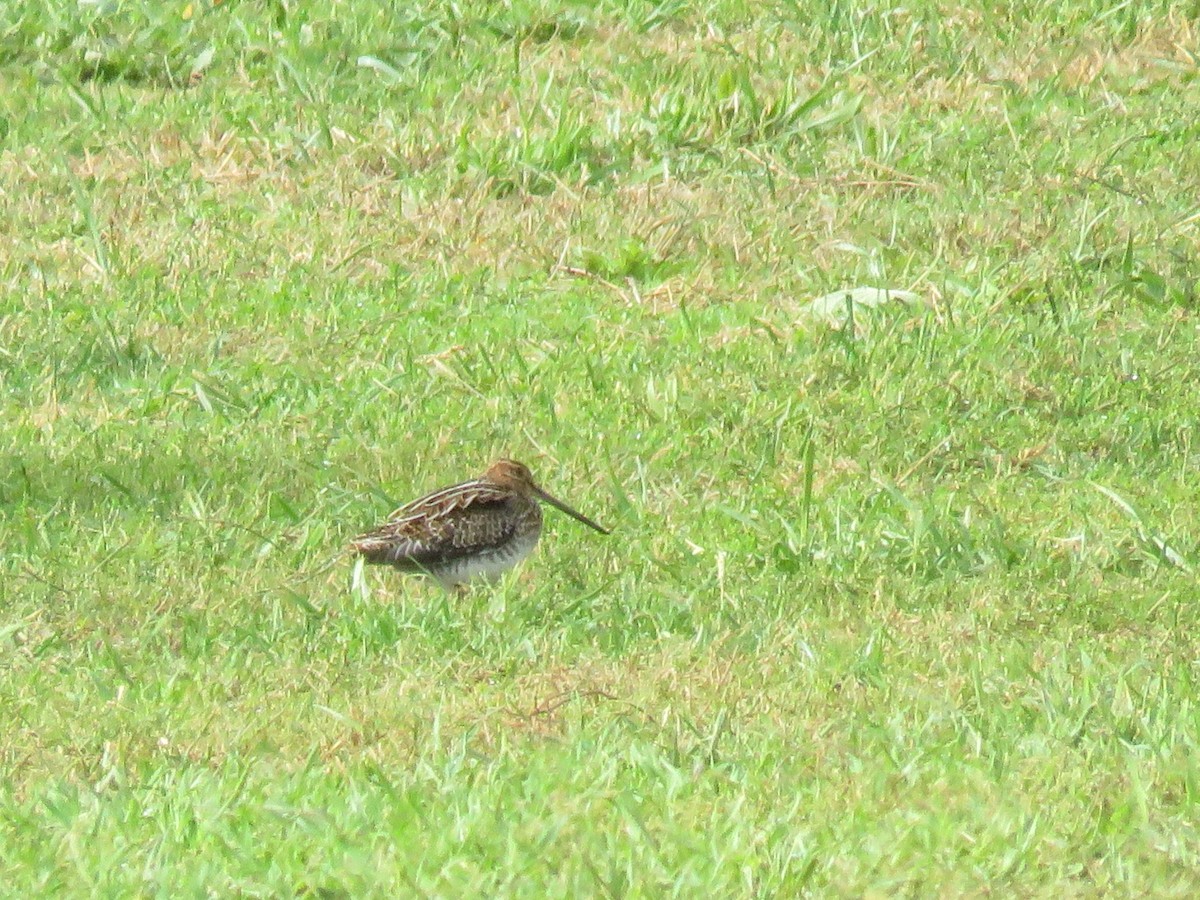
489,564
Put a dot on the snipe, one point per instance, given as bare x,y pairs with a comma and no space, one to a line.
477,529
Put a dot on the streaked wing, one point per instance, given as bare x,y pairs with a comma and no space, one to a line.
468,518
447,500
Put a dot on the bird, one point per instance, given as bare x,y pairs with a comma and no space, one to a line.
475,530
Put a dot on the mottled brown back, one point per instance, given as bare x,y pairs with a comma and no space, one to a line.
472,518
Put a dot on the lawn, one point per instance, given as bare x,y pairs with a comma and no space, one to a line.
898,602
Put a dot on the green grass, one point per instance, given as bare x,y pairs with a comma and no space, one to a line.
906,607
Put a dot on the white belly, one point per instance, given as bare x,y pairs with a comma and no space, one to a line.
488,567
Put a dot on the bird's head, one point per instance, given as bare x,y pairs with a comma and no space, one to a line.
508,473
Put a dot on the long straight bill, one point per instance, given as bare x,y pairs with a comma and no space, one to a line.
577,516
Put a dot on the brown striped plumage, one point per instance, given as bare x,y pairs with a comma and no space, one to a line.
479,528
